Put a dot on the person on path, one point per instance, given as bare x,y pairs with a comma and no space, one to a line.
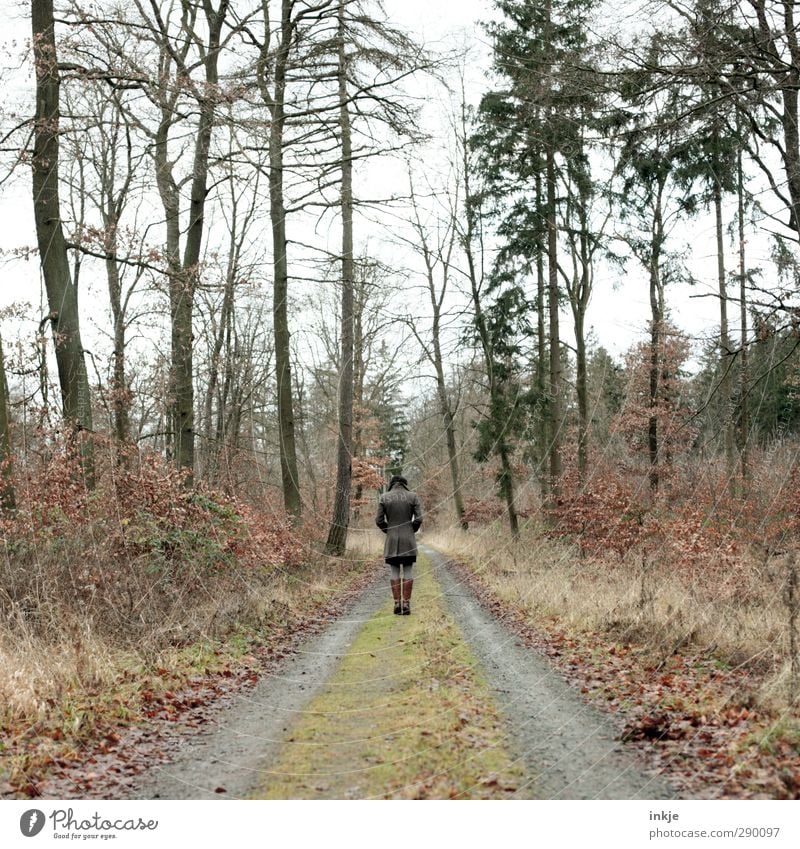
400,517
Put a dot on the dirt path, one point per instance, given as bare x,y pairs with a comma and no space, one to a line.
240,744
569,747
443,704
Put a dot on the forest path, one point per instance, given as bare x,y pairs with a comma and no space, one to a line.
570,746
445,703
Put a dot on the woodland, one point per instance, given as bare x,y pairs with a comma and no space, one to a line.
280,250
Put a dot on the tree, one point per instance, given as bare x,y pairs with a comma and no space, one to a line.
718,64
583,240
184,272
8,501
235,339
744,378
437,258
494,332
109,169
712,162
671,409
531,133
272,66
299,69
62,294
170,53
654,145
337,535
770,60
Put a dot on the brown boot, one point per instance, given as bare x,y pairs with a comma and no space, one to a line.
407,587
396,596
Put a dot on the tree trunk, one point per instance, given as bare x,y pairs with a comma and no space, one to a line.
8,501
280,318
555,340
724,347
580,299
446,411
791,138
781,49
506,472
507,488
62,295
507,478
170,201
184,273
120,398
337,536
656,319
468,237
182,290
541,346
214,425
744,423
582,393
358,382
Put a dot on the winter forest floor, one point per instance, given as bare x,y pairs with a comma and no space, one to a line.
472,696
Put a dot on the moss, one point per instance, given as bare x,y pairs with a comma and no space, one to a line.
406,715
784,731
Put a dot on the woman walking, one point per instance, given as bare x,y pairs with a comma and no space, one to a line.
400,517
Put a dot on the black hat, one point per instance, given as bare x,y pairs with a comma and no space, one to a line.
398,479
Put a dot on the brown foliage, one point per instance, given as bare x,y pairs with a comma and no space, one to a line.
137,545
605,513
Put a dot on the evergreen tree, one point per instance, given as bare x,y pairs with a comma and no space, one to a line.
531,136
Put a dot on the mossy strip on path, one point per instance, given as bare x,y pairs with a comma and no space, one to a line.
407,714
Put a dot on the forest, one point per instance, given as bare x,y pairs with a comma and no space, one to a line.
262,255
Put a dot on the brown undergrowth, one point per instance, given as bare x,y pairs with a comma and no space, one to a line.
86,717
137,601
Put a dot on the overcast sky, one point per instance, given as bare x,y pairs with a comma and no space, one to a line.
620,306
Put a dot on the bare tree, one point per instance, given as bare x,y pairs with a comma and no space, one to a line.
62,294
337,535
108,162
437,258
8,501
184,273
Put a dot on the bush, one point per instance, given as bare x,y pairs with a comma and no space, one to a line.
136,550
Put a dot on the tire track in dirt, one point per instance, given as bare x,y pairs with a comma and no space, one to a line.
569,745
226,759
567,748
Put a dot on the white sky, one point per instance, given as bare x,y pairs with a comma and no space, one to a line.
620,306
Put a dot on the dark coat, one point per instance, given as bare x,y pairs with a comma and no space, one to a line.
399,517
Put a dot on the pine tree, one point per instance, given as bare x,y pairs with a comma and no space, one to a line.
530,135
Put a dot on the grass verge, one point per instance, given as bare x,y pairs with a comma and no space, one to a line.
697,681
65,702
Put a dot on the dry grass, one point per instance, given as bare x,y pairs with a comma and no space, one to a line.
739,619
36,674
58,670
365,544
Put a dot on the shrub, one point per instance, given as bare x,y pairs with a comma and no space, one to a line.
137,547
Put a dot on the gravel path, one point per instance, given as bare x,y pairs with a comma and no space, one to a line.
567,745
231,753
